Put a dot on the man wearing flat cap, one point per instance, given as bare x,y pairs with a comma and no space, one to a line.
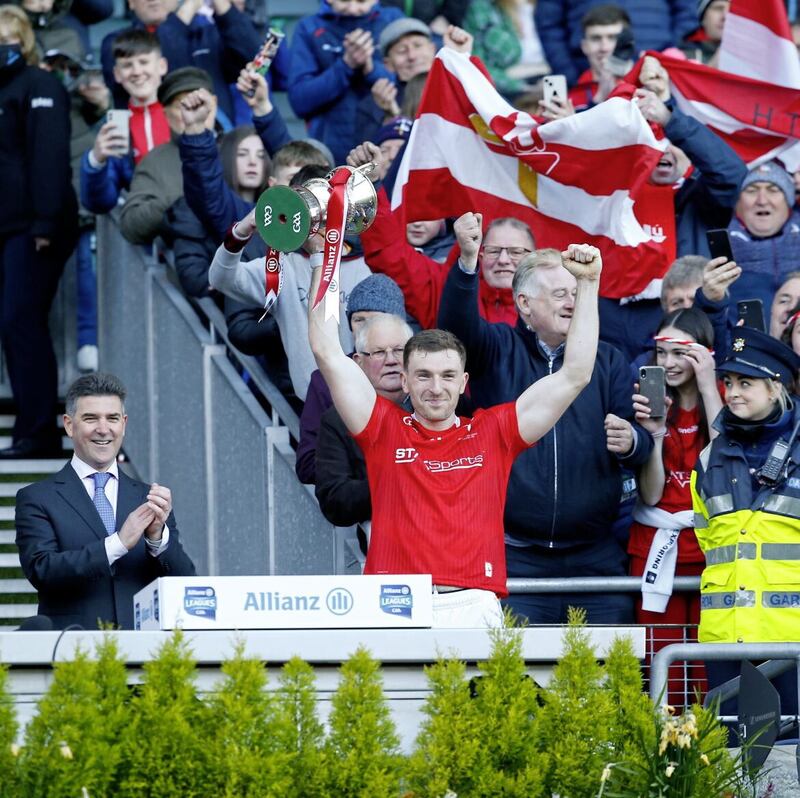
765,234
746,499
158,179
408,49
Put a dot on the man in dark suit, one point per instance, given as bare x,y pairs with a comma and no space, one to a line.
89,536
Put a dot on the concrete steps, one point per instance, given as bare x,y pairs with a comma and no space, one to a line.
17,595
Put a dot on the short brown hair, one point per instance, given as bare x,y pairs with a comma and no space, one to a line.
135,41
17,20
298,153
434,341
607,14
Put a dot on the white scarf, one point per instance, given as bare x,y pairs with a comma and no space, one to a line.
659,570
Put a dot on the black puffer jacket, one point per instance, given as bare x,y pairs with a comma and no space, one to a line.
37,193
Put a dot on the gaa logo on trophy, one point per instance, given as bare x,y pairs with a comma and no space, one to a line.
287,217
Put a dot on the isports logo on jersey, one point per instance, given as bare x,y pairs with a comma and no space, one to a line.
460,463
397,600
201,602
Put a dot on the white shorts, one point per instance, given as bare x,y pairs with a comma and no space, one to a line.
466,609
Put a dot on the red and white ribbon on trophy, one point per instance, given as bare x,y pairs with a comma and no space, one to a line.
336,219
273,279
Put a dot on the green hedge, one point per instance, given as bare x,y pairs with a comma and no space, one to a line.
591,732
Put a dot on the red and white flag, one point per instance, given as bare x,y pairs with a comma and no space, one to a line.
752,100
757,43
572,180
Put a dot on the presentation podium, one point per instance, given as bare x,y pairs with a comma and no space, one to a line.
396,601
400,641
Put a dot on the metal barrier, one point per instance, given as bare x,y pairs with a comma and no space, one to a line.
721,651
196,426
683,682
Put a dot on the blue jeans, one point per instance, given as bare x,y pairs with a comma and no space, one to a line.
87,290
602,558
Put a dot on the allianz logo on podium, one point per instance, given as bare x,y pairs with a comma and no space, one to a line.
339,601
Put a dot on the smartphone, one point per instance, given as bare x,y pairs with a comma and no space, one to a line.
751,313
554,87
120,118
652,384
620,62
719,243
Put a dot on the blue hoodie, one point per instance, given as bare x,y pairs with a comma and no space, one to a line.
323,90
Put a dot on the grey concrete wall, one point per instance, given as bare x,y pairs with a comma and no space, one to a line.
195,426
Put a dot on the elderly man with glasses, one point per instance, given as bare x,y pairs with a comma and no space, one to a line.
421,278
564,493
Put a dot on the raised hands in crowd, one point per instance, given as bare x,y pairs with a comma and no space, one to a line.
254,89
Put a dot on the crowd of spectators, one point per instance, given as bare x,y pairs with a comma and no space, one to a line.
202,139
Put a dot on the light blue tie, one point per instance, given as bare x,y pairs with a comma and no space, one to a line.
102,503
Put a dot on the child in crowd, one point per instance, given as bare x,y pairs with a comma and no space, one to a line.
334,63
108,166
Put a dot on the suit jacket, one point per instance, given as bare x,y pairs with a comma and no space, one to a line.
61,542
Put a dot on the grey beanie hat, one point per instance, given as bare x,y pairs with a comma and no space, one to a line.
377,293
771,172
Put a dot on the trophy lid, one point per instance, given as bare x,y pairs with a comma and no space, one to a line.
283,218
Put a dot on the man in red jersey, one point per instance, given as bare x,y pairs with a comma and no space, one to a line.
438,482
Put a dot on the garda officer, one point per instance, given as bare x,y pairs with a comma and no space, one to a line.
746,497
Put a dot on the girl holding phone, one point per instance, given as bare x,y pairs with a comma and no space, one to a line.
662,542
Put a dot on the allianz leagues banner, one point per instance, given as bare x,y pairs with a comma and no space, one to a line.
284,602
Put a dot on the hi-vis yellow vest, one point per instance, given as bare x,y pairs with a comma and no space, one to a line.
750,588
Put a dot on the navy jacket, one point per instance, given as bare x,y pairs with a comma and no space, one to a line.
708,196
765,262
61,542
565,490
656,24
322,89
221,48
101,187
207,194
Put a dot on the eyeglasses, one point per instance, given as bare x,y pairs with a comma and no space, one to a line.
380,355
514,253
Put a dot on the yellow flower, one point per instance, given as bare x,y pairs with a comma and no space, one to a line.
65,750
670,769
704,759
15,749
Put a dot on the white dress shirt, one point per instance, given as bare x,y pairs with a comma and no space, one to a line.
115,548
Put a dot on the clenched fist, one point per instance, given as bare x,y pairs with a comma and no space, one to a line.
469,234
582,261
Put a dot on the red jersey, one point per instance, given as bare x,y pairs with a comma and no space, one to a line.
438,497
682,446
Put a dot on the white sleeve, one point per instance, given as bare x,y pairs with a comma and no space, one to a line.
240,280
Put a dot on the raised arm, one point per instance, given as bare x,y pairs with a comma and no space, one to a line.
541,405
353,394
